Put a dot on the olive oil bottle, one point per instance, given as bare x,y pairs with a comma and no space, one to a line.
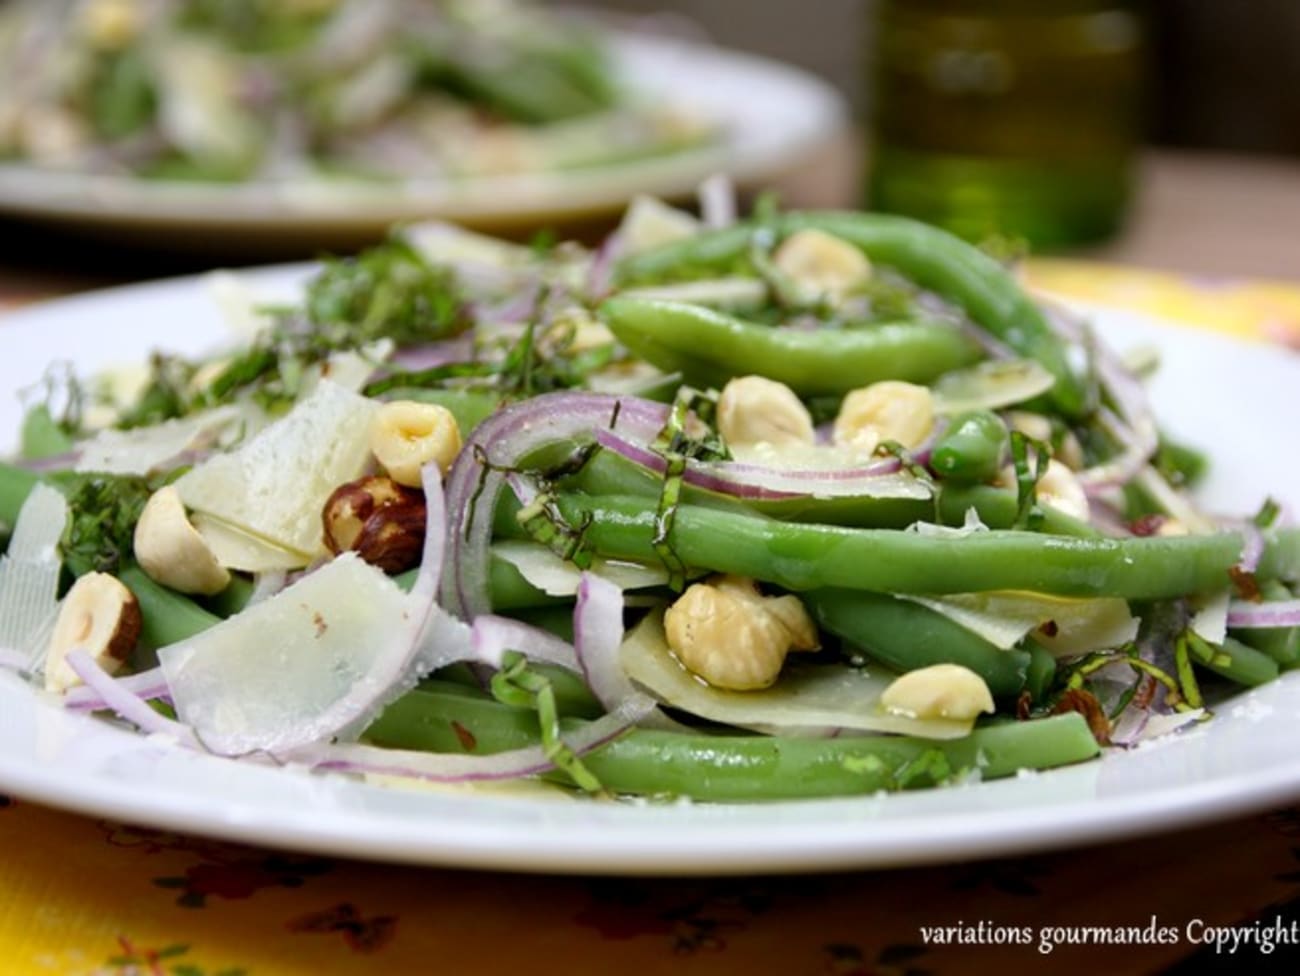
1007,117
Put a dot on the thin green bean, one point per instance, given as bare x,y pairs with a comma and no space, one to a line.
740,768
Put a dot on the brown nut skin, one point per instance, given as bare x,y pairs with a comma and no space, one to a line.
380,520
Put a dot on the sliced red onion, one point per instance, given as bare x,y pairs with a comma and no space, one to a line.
430,355
717,196
55,462
491,636
473,489
518,308
597,636
1252,549
600,274
147,685
1262,616
760,482
268,584
1128,729
435,535
457,768
125,702
1134,427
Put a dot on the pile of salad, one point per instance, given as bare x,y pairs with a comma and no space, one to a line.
269,90
797,505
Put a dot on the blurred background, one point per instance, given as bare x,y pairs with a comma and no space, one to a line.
1163,133
1223,74
1190,116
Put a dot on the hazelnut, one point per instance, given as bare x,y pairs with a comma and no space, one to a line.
100,616
734,637
380,520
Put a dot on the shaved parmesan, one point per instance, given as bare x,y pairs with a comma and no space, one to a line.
143,450
1065,626
236,549
556,576
274,486
651,223
805,698
300,666
1210,621
29,573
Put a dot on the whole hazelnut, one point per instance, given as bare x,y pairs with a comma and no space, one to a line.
380,520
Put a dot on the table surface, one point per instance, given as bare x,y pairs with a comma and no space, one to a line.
81,895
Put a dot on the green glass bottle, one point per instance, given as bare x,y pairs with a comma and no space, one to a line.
1007,117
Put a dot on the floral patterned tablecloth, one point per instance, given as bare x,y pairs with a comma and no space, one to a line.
83,896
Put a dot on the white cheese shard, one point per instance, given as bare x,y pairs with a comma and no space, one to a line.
274,486
805,697
143,450
317,658
1065,626
29,573
235,549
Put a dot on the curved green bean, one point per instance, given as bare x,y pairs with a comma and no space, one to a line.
1282,644
931,257
709,347
905,636
738,768
802,556
166,616
971,449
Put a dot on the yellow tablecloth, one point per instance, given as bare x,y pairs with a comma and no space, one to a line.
79,895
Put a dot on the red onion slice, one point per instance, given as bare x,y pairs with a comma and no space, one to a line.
491,636
600,273
429,355
473,487
1263,616
597,636
147,685
1252,549
130,706
456,768
760,482
717,196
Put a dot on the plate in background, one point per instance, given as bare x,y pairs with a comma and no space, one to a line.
1212,391
773,116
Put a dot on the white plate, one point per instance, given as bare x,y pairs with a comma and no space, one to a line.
1237,398
771,115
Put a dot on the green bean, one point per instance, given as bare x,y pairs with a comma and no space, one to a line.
998,508
233,598
738,768
610,473
905,636
933,258
1235,661
800,556
1282,644
709,347
15,485
41,435
1042,671
509,589
167,616
469,407
971,449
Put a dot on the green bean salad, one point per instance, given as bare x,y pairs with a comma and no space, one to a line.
232,91
803,504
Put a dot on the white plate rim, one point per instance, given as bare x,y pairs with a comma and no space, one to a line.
82,764
798,113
